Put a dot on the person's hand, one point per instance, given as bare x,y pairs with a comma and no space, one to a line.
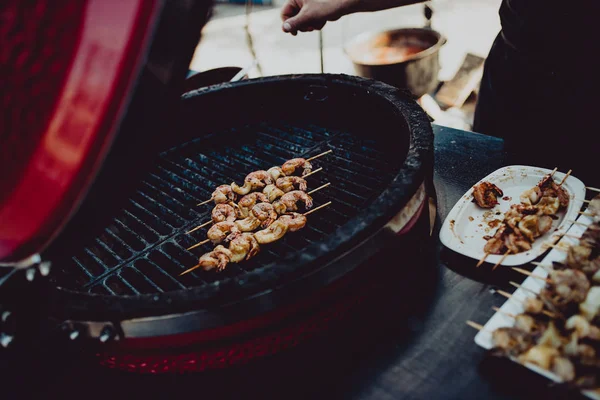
309,15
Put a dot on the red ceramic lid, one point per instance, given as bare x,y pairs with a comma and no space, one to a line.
70,68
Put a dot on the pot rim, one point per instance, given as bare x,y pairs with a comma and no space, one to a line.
441,40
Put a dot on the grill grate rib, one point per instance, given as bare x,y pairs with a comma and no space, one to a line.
144,248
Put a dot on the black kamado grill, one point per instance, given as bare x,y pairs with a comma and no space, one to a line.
115,284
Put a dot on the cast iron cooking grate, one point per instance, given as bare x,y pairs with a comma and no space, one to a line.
143,250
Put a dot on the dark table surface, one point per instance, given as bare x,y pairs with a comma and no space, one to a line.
431,356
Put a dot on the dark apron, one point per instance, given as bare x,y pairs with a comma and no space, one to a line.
542,99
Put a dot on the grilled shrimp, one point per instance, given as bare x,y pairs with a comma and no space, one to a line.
290,199
219,231
223,194
287,183
290,166
275,172
248,201
265,212
274,232
273,192
243,246
248,224
294,221
218,258
254,180
223,212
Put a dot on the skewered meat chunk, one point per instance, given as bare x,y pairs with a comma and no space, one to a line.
223,212
290,199
265,212
563,368
594,206
294,221
533,305
551,189
289,167
591,305
549,205
275,173
273,192
582,327
223,194
248,201
567,287
495,245
289,183
243,246
218,258
511,341
248,224
485,194
219,231
532,196
540,355
527,323
551,337
254,180
273,233
516,243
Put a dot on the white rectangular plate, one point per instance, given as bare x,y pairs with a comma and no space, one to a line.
466,225
514,306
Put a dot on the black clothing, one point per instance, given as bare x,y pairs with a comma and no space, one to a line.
541,85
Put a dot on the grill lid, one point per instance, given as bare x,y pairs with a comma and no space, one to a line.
71,70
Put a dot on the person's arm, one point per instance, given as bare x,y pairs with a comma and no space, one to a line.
308,15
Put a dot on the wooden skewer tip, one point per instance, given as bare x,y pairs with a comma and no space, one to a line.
553,171
190,269
319,188
319,155
475,325
592,188
565,177
318,208
480,263
313,172
204,202
198,244
502,259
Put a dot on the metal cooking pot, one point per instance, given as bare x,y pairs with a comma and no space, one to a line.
407,58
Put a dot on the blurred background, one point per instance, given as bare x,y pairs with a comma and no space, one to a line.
241,32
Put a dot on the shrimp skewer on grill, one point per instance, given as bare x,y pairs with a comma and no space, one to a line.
244,245
256,179
243,209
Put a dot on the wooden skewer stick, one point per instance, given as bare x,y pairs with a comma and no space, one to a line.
475,325
553,171
319,155
312,173
199,244
319,188
577,223
207,240
199,227
565,177
205,202
510,296
502,259
317,209
539,264
587,214
571,236
497,309
545,312
554,246
482,260
525,272
592,188
190,269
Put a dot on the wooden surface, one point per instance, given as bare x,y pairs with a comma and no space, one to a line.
429,354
